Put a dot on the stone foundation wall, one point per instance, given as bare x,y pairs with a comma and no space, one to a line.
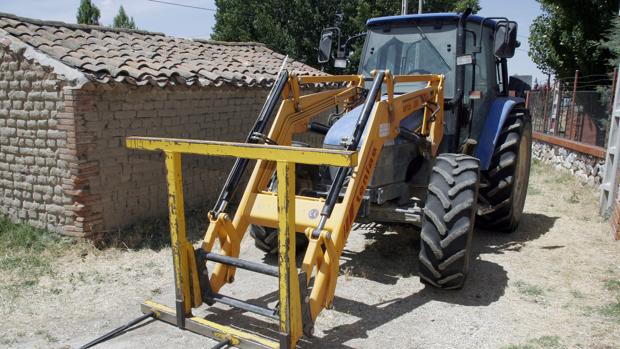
587,168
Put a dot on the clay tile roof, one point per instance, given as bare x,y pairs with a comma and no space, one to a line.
139,57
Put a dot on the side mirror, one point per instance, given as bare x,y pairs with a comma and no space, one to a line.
325,45
505,41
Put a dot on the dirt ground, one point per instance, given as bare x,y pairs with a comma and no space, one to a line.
555,283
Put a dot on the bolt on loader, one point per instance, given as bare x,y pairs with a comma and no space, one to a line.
425,134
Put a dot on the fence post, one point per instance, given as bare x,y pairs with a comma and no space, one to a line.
613,91
572,133
545,96
557,108
527,99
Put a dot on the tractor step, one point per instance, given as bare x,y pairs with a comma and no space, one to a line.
243,264
239,304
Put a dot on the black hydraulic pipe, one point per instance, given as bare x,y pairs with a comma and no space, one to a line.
318,127
366,110
118,331
341,175
239,304
232,182
224,343
243,264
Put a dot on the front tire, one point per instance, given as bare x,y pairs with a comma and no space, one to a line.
266,239
448,221
502,198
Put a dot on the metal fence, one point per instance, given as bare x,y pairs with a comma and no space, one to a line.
575,115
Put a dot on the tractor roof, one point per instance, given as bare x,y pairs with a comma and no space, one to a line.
427,17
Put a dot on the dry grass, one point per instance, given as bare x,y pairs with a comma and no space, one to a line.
558,273
544,342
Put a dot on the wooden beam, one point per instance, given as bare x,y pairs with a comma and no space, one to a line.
596,151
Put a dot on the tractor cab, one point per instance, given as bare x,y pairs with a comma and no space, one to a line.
470,51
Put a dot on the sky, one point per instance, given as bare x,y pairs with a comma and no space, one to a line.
198,23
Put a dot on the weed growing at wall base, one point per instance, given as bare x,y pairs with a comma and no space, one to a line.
26,254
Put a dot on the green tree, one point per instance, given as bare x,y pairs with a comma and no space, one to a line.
568,35
611,42
293,27
448,5
122,20
88,13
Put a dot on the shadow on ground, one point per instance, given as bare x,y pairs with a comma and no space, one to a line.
154,233
389,256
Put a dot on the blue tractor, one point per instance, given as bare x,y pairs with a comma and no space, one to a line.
481,120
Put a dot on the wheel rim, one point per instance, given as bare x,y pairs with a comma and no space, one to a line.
521,177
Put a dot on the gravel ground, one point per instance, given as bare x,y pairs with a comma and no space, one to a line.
552,284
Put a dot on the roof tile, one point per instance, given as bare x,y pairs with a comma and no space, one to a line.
139,57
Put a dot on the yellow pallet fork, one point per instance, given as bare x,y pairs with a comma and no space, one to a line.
326,221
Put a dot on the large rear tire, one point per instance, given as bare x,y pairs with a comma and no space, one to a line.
448,221
502,197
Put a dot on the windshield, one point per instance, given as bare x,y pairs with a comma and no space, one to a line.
412,50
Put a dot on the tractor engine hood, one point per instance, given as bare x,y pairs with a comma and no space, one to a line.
344,127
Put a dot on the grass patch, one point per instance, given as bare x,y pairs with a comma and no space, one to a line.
574,197
612,285
561,177
612,310
532,190
578,294
544,342
529,290
26,254
21,237
537,167
8,341
48,336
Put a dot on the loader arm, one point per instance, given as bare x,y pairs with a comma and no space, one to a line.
303,294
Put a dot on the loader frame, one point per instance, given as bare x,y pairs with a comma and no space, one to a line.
325,221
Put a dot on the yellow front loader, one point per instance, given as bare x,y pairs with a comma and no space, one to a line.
325,221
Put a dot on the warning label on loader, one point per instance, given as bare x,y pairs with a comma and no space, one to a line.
384,130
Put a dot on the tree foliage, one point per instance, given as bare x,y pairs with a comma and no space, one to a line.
121,20
293,27
568,35
88,13
611,42
449,5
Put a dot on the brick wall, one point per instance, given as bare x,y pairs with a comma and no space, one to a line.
63,161
32,167
117,186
